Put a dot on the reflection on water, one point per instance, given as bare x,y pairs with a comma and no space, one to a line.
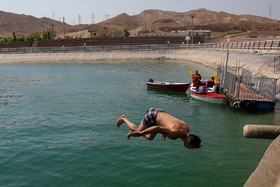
277,106
168,94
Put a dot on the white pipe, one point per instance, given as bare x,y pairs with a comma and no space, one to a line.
261,131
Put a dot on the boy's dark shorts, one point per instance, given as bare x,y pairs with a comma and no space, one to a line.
150,117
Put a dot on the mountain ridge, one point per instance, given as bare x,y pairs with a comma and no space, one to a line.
150,21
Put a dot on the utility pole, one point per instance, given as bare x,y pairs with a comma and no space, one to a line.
63,28
192,16
107,16
92,19
53,17
227,55
79,19
52,32
270,12
226,66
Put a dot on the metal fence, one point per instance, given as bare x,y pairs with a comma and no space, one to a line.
93,48
276,63
245,87
251,45
257,45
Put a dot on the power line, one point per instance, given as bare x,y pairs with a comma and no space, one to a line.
270,12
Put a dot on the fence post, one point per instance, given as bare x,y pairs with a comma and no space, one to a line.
239,79
275,88
264,45
274,62
259,45
271,45
279,45
254,45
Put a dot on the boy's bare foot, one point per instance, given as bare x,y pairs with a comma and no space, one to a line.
120,120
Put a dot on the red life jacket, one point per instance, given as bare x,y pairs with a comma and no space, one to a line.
196,79
211,84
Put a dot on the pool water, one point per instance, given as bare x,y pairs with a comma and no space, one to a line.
58,128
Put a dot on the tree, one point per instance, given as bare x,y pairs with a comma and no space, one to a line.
29,38
14,36
37,37
126,33
5,40
10,40
47,35
20,39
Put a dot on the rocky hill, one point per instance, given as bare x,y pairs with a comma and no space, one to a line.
24,24
220,23
152,21
224,23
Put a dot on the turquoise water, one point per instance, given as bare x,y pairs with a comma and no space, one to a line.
58,128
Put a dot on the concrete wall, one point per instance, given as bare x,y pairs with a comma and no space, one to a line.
258,64
267,173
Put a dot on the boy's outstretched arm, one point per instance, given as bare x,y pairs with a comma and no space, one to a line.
151,130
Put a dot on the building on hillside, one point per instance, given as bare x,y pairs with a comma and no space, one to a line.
91,34
200,33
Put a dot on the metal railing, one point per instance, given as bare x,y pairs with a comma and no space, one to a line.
251,45
257,46
244,87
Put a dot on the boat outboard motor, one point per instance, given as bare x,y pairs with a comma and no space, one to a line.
151,80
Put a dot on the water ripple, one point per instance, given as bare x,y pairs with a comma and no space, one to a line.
15,123
33,81
8,99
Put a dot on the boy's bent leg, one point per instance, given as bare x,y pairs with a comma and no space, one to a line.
150,136
129,124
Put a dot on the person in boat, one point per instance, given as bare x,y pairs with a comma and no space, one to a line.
210,83
157,121
196,78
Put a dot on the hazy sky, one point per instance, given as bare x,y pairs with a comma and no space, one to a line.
89,9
